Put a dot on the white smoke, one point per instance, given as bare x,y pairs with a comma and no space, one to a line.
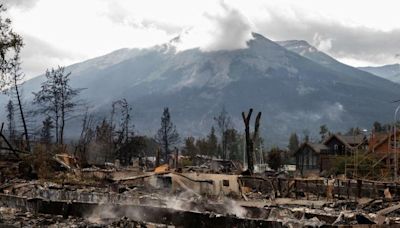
100,214
227,29
233,208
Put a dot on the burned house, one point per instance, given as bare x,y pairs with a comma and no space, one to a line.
216,165
308,157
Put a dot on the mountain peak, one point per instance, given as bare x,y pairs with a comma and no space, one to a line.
299,46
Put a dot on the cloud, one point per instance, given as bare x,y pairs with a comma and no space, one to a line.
38,55
20,4
321,43
228,25
119,14
212,25
342,41
225,30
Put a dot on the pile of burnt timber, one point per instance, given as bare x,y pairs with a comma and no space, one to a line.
149,209
112,196
204,200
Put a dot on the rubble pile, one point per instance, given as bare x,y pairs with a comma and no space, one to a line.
10,217
114,196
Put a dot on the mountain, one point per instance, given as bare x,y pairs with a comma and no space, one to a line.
303,48
294,92
390,72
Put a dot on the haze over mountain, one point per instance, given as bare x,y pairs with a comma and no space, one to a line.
390,72
295,86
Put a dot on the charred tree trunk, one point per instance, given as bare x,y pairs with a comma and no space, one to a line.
157,157
21,112
255,134
6,141
176,158
250,141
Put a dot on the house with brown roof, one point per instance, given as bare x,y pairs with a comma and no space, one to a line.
308,157
345,144
319,157
383,146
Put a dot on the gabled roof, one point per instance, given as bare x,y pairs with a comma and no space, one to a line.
348,140
384,139
316,147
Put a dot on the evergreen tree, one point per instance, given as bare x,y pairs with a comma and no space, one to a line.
190,148
202,146
134,147
378,127
233,141
10,120
167,135
274,159
293,143
323,132
224,122
212,144
102,146
45,133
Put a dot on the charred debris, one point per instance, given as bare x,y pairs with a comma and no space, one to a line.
154,192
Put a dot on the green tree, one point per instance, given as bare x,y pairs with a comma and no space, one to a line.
224,122
293,143
202,146
378,127
274,159
45,133
101,148
10,120
10,76
134,147
190,148
323,132
10,46
167,135
212,144
233,141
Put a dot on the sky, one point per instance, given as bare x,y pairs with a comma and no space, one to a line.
62,32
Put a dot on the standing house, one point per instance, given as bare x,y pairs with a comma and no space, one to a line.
345,144
308,157
321,157
341,145
382,145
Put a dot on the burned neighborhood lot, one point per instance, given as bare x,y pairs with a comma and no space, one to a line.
182,197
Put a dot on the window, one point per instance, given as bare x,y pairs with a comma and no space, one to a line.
397,143
225,183
335,148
